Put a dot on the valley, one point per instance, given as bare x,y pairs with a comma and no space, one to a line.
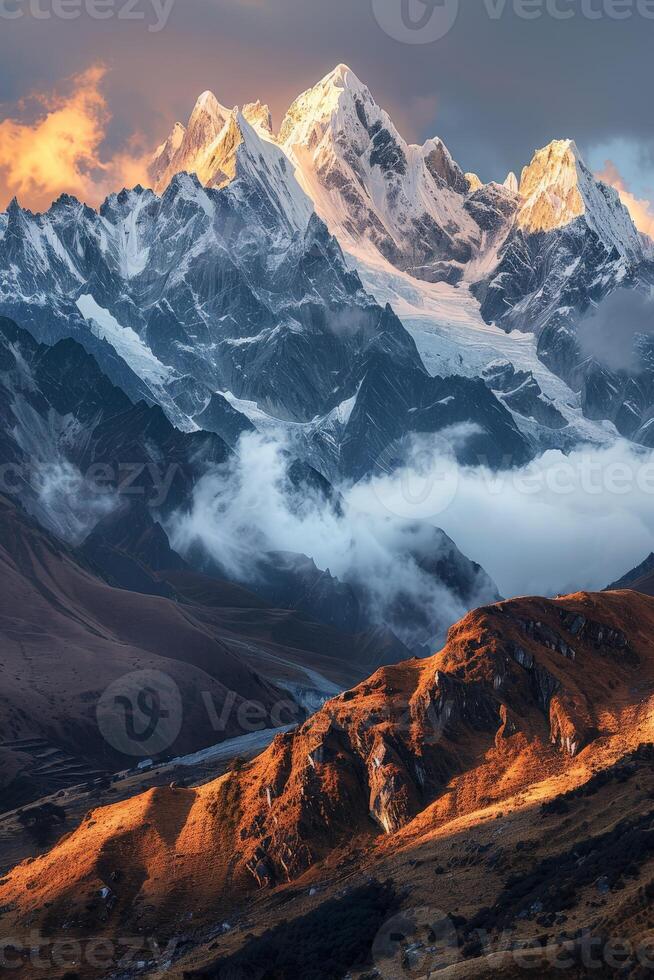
276,702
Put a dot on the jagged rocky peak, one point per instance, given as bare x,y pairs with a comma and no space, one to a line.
557,188
442,166
375,191
208,118
192,148
218,165
259,116
185,145
550,188
164,154
336,107
474,182
511,183
342,108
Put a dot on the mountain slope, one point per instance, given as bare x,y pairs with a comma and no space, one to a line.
205,301
640,579
573,248
75,621
527,700
192,148
371,187
109,476
67,636
539,255
74,444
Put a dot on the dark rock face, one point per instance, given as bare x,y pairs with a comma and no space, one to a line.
492,207
294,581
223,419
622,397
391,406
196,284
640,578
128,546
521,393
443,169
548,283
80,445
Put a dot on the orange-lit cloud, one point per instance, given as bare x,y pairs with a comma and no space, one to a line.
60,150
641,210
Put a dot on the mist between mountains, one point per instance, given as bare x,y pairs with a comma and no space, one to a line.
422,488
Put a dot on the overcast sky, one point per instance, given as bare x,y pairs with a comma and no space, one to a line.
494,88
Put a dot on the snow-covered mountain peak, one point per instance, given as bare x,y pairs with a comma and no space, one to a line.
208,112
340,79
550,188
190,149
557,188
511,183
333,103
186,144
259,116
375,191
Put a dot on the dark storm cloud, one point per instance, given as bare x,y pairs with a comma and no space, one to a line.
494,88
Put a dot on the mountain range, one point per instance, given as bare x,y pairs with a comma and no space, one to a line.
218,673
258,282
502,790
538,255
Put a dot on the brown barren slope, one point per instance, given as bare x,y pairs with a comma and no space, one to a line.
65,636
431,772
